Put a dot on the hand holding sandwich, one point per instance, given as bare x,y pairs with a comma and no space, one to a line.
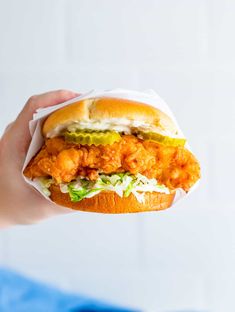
20,203
99,154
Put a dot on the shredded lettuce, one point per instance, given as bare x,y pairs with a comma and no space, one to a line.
129,188
77,194
123,184
44,184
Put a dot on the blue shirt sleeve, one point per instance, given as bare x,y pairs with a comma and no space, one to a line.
20,294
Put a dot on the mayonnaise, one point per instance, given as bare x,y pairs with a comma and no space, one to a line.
114,124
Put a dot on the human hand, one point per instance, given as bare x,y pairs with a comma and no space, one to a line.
19,202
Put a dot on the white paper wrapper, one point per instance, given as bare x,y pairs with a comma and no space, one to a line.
149,97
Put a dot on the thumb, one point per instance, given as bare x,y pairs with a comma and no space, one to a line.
18,132
41,101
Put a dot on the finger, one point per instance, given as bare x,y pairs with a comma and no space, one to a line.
43,100
8,127
19,131
39,101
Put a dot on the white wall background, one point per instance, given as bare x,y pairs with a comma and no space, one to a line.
178,260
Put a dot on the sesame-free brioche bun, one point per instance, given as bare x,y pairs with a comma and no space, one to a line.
110,202
107,108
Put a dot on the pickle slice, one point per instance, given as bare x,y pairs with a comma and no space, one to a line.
92,137
162,139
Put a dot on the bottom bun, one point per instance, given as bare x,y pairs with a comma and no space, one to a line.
110,202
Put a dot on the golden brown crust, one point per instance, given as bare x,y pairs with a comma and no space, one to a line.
105,108
110,202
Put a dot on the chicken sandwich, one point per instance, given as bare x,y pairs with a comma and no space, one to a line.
112,155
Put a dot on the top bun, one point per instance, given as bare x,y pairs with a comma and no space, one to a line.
108,108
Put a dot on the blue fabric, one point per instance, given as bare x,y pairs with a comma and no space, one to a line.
20,294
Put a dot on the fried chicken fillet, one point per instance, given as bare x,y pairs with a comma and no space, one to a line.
175,167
